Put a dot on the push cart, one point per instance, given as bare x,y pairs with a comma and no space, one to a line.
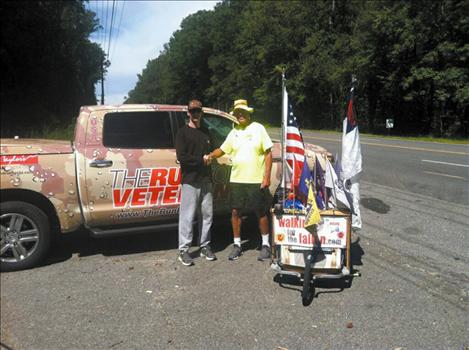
321,252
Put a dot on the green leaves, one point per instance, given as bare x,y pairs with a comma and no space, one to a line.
410,59
49,66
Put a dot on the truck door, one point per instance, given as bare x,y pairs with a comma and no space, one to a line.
133,175
219,128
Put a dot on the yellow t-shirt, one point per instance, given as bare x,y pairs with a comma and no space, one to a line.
247,147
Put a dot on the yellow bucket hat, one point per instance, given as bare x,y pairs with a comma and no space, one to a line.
241,104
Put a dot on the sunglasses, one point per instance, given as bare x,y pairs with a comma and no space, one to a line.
241,114
195,111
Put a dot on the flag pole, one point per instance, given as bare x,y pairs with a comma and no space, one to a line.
283,136
314,174
326,197
333,186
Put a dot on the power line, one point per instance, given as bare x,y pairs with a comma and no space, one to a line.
105,26
118,29
107,39
101,21
110,27
103,39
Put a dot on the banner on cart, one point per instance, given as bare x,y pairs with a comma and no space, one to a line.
331,232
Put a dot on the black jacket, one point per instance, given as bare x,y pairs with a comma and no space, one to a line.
191,146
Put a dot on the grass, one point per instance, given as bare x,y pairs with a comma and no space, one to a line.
460,141
66,133
53,132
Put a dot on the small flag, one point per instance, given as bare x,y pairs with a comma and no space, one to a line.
320,184
352,159
337,196
312,211
351,151
305,178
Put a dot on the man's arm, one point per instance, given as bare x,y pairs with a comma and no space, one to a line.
268,168
217,153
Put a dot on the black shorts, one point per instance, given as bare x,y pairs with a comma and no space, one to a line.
250,198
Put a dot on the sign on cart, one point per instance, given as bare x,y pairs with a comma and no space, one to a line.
331,232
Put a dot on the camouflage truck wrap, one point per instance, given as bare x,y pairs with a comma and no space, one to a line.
119,175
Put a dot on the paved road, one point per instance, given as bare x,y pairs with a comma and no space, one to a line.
130,292
434,169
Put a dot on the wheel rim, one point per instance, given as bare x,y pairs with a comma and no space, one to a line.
19,237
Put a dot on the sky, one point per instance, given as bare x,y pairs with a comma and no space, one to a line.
139,31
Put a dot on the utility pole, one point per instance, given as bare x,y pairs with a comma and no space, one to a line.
105,64
331,97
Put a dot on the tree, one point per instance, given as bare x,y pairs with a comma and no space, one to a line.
49,65
410,59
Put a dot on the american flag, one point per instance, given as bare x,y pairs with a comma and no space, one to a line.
294,147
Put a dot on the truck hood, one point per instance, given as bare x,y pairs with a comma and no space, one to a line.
34,146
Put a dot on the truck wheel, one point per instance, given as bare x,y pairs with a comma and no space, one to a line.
24,237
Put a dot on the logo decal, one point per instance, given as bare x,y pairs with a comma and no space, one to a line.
147,187
18,159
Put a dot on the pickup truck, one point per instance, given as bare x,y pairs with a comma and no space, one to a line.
119,175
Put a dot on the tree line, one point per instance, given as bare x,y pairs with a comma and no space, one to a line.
410,59
49,65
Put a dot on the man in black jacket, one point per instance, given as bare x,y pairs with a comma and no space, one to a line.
192,147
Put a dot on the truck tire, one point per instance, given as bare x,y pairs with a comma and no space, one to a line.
25,235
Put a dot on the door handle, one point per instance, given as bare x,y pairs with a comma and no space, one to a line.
100,163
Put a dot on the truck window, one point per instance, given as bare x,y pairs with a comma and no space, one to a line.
218,128
137,130
181,118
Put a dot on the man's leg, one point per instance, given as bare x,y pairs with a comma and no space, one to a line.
265,253
187,209
236,223
205,219
264,224
237,193
205,215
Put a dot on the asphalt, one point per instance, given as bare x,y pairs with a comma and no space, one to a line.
439,170
132,293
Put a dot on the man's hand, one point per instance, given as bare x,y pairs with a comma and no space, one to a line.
207,159
265,183
268,169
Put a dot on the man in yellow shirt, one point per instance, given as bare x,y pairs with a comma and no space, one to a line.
250,146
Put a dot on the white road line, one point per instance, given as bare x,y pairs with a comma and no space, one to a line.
434,161
391,146
440,174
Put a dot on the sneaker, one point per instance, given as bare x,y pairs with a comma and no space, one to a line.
265,253
235,253
207,253
185,258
